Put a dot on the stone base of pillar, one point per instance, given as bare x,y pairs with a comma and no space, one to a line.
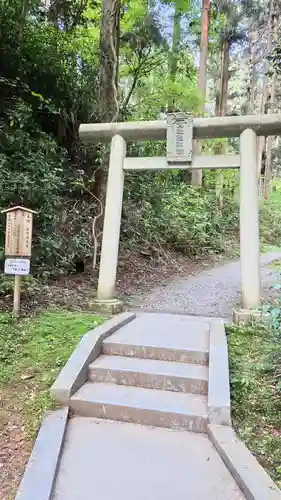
244,316
111,306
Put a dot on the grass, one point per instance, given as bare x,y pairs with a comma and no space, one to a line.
33,350
255,374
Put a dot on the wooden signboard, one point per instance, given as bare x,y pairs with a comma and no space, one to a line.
179,138
18,232
18,241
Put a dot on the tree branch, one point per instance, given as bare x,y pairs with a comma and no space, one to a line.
95,236
79,12
129,95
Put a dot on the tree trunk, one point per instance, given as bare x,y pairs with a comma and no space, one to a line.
271,109
196,177
224,78
174,53
269,144
221,109
108,94
251,82
264,96
252,96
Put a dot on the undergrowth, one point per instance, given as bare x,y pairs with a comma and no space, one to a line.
29,285
255,376
270,217
162,211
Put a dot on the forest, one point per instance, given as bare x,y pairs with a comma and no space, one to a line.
67,62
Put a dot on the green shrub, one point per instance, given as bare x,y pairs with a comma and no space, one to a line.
254,355
35,173
49,83
270,218
30,285
164,211
31,175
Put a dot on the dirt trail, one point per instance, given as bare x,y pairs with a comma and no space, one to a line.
211,292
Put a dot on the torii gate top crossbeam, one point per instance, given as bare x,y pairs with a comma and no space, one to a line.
203,128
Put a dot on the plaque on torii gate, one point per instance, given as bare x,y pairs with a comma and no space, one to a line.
179,138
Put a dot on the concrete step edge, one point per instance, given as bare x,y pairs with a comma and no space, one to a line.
85,403
147,374
156,352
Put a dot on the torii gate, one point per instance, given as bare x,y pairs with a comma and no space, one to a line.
179,130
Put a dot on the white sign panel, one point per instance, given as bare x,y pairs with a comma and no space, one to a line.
20,267
179,138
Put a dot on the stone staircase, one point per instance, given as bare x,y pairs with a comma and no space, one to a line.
168,373
151,376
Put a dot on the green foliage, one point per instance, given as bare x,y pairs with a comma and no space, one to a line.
29,286
169,213
275,58
49,81
47,87
275,312
255,355
31,172
155,91
274,308
270,217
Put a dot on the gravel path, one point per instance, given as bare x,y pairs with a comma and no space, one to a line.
213,292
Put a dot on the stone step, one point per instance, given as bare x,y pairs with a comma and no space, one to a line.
143,406
163,337
149,373
163,353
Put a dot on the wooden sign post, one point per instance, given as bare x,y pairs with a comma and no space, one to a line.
18,240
